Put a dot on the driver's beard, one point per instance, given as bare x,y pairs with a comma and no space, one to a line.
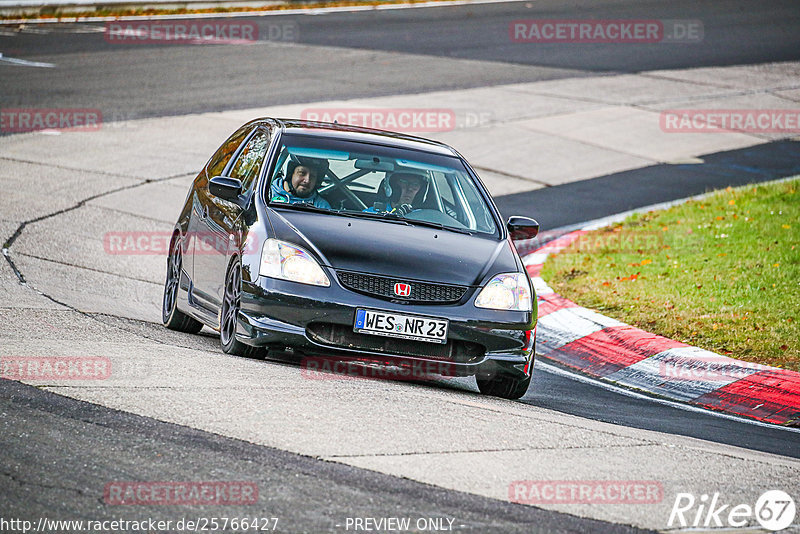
296,192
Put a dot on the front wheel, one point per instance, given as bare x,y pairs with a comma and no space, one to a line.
229,318
503,386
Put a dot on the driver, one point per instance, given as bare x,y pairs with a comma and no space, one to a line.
405,192
303,176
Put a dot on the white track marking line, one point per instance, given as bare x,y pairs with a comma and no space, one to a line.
24,62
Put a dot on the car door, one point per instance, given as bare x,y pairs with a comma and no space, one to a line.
219,227
199,196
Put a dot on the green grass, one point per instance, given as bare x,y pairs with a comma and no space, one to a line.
721,273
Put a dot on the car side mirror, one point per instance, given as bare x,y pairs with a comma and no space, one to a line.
520,228
225,188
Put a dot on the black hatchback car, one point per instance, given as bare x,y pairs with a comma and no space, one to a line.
353,244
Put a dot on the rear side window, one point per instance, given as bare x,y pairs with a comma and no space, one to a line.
220,159
248,164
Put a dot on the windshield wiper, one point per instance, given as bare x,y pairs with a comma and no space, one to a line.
391,217
385,216
440,226
306,206
395,217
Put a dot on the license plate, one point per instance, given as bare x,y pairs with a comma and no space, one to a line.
403,326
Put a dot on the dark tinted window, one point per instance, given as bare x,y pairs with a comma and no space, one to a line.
220,159
248,164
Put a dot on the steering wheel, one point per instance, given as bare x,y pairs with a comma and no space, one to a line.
337,184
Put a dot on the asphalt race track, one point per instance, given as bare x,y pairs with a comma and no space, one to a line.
305,494
321,452
342,56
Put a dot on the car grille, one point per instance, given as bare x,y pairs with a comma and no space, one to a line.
343,336
383,287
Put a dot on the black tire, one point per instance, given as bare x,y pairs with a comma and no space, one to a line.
231,303
503,385
171,316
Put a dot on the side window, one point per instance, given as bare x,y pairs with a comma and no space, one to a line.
483,218
224,153
445,192
249,162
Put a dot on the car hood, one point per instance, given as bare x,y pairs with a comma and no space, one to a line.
395,249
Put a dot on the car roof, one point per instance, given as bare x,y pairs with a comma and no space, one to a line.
364,135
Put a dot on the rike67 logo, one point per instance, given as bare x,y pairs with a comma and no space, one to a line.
774,510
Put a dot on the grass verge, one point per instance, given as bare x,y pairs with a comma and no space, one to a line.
721,273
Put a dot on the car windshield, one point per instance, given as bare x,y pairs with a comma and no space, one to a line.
377,181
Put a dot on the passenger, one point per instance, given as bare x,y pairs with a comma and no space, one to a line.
303,176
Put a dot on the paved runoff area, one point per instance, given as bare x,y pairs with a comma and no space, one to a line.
88,296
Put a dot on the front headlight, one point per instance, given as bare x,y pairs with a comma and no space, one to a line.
285,261
509,291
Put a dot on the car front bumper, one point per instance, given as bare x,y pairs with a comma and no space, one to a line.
318,321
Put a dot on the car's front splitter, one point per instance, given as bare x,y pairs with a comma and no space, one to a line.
283,315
